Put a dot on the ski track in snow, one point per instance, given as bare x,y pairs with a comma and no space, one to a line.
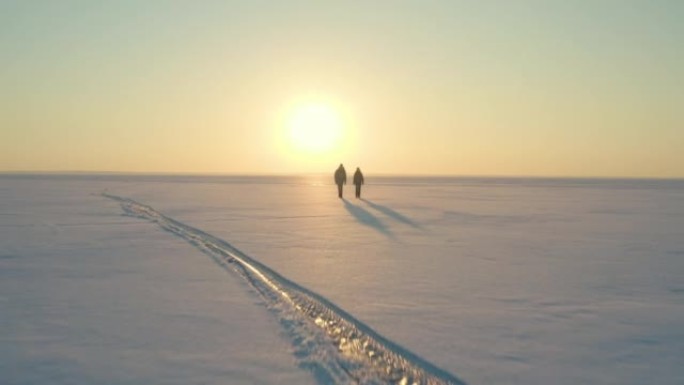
332,344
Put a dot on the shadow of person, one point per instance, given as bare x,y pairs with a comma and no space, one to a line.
392,214
367,218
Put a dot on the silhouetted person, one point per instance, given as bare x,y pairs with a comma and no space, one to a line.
340,179
358,181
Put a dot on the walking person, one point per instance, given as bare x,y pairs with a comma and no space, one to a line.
358,181
340,179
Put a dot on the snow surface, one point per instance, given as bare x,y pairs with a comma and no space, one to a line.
503,281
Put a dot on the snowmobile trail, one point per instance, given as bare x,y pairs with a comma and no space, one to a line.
336,347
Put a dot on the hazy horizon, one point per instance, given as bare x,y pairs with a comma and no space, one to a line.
86,173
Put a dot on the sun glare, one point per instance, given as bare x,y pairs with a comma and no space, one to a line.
315,128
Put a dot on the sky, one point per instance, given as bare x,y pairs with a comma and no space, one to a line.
584,88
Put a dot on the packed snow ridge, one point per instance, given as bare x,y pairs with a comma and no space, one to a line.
329,341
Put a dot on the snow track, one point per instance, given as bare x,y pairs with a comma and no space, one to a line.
335,346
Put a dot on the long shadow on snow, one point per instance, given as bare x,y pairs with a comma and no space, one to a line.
392,214
367,218
224,254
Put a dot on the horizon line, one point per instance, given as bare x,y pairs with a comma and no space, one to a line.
294,174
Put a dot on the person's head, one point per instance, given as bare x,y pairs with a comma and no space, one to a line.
341,166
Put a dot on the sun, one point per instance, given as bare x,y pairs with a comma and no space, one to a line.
315,127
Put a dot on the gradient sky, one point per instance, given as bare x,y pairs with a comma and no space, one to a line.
538,88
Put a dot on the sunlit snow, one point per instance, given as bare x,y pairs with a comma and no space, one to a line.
484,281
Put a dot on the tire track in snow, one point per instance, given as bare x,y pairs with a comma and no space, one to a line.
334,345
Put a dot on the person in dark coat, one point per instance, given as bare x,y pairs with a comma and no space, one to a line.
340,179
358,181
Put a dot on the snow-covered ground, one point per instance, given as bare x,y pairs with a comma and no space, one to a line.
485,281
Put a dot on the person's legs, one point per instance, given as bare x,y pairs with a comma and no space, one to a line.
358,191
339,190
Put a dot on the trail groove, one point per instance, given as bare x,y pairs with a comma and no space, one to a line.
330,342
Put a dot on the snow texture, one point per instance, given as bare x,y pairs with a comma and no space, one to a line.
361,353
510,281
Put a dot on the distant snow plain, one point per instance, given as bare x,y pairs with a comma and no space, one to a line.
489,280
